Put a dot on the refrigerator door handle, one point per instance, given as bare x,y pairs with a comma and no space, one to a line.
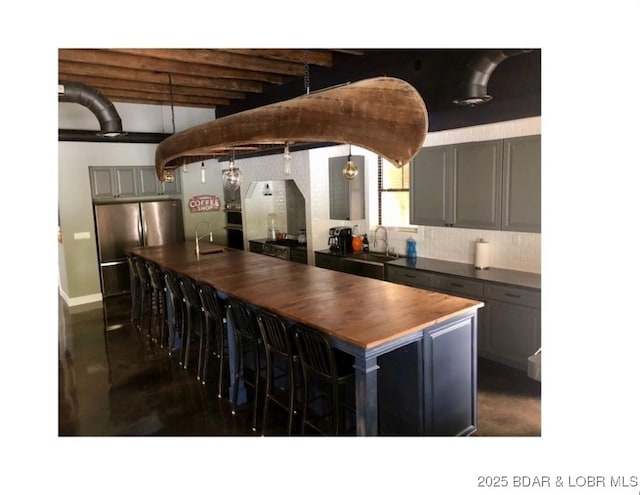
142,228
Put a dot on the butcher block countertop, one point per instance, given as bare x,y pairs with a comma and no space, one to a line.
362,311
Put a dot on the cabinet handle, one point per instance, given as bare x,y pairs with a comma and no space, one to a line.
409,276
517,296
454,284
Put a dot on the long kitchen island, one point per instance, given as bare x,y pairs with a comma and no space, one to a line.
381,324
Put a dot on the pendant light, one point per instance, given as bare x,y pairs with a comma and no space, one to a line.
350,170
231,176
287,159
203,174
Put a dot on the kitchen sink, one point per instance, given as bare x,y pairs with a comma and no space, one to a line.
373,257
366,264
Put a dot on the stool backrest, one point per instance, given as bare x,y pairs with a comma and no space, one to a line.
189,291
274,332
243,319
316,354
210,301
155,276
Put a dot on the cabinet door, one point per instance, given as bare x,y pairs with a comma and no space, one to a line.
521,191
512,333
477,172
450,378
148,183
429,187
125,182
102,185
346,197
329,261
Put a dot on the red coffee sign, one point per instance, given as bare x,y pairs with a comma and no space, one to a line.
204,202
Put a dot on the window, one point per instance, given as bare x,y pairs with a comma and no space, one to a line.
393,194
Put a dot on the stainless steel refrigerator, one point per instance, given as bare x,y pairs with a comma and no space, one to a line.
120,226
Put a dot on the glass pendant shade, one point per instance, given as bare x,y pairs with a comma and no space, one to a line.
231,177
350,170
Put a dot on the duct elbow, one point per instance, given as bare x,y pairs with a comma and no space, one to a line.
94,100
480,69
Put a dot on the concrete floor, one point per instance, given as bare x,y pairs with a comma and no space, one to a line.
114,383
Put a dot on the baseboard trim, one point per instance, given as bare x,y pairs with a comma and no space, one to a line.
80,301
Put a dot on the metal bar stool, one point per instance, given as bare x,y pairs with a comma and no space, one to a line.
145,292
214,330
248,344
326,372
134,282
281,356
175,313
193,321
158,310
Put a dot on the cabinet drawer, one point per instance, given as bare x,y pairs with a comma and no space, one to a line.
459,286
328,261
298,256
408,276
513,295
255,247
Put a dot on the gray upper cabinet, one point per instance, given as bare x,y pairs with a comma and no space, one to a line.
430,185
149,185
129,182
488,185
477,173
521,188
346,197
113,182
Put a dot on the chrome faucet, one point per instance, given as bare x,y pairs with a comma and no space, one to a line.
210,234
386,242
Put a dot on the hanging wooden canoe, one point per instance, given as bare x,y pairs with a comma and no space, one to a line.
384,115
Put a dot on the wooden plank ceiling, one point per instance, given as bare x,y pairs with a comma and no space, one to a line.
205,78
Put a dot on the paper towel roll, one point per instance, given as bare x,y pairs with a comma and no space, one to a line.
482,255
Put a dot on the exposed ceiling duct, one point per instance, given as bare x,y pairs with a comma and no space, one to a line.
474,88
102,108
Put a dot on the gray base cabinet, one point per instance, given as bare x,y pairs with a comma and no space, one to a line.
508,329
430,387
511,323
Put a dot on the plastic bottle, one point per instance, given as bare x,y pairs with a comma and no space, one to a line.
412,251
365,243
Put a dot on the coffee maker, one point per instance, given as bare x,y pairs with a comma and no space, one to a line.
340,240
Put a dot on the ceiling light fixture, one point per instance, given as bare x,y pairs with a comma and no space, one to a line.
203,174
287,159
350,170
231,177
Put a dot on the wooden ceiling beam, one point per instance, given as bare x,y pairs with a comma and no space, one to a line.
221,58
322,58
129,61
160,99
164,89
84,69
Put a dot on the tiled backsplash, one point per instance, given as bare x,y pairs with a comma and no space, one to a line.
509,250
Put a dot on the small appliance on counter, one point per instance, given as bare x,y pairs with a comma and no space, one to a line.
340,239
482,255
272,223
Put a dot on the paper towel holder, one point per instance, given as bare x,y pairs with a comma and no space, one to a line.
482,255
